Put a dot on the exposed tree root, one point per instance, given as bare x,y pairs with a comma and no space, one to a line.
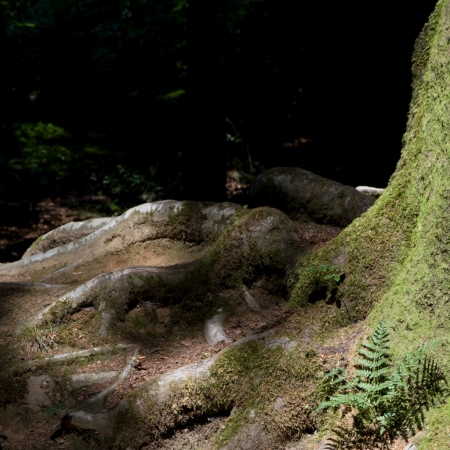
90,416
96,403
227,248
185,222
64,357
64,234
115,286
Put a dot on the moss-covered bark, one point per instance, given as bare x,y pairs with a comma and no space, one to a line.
396,256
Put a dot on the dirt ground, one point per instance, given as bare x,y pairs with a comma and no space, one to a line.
20,225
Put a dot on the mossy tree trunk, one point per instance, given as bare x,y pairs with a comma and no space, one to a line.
396,256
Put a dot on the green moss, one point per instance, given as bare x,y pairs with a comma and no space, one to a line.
396,254
417,304
238,257
253,376
185,224
244,378
379,246
238,419
133,427
438,429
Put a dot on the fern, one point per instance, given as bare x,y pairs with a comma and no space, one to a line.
385,401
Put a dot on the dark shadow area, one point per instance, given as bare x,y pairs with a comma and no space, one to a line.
318,294
98,100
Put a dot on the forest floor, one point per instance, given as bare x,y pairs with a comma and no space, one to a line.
40,430
21,225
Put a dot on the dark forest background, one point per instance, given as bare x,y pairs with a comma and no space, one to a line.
138,100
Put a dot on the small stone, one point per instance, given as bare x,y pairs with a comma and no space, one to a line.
279,404
214,332
411,447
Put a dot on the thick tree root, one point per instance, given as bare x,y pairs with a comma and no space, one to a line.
97,403
115,286
64,357
89,415
64,234
183,222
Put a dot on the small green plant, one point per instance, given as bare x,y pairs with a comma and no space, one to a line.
383,401
328,272
36,338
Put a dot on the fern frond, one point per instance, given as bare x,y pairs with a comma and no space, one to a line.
387,401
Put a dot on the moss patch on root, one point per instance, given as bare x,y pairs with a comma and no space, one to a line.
251,376
256,247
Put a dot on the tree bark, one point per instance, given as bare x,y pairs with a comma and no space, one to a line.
396,256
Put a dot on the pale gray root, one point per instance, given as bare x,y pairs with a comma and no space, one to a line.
303,195
82,420
411,447
250,300
113,287
159,391
187,222
64,234
79,380
96,404
63,270
371,191
213,330
67,357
